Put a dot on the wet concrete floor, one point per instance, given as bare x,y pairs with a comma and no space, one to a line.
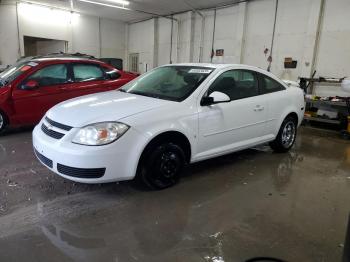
253,203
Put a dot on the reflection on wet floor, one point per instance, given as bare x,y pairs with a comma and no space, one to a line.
253,203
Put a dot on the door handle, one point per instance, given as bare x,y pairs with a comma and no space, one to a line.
258,108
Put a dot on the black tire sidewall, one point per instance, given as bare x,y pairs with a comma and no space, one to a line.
277,144
2,129
149,165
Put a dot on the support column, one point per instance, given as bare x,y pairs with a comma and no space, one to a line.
312,38
155,43
241,30
185,37
192,32
126,53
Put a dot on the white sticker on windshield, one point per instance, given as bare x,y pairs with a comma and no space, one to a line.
32,64
200,71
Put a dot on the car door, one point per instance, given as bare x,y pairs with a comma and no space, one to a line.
240,123
88,78
31,104
276,98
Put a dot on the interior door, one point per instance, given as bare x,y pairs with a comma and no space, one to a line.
134,62
31,105
237,124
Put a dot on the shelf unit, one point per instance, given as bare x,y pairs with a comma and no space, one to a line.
308,85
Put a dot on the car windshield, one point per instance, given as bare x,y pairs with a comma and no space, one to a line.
173,83
15,71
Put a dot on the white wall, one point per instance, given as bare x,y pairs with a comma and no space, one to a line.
141,40
291,35
43,22
245,30
333,59
9,47
184,44
226,34
84,34
46,47
258,32
164,41
112,38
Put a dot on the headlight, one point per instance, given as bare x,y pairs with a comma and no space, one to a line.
100,133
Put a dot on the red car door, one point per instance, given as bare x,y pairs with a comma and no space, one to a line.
89,78
39,92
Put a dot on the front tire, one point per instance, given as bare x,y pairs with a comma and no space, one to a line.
161,166
3,122
286,136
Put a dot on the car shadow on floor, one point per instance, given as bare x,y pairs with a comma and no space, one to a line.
193,171
16,130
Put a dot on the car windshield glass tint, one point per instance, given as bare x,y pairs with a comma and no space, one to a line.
173,83
15,71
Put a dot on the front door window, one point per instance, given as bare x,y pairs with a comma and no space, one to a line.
237,84
51,75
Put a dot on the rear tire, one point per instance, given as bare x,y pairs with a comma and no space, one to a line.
286,136
3,123
161,166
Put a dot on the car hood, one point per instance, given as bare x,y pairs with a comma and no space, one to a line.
107,106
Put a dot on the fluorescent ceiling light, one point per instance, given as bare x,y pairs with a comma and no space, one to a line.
121,2
51,15
108,5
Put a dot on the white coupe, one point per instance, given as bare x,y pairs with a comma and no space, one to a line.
169,117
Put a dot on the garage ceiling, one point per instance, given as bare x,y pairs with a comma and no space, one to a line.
161,7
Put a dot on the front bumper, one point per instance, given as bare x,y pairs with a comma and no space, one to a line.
88,164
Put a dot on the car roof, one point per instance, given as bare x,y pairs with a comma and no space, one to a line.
237,66
217,66
63,56
45,59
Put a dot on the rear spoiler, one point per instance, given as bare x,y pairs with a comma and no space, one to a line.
291,83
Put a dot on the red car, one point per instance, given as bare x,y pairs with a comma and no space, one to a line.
32,86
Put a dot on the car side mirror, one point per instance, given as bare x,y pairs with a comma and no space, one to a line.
30,85
215,98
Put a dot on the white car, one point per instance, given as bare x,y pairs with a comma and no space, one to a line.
169,117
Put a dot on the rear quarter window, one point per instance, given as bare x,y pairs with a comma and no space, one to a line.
87,72
269,85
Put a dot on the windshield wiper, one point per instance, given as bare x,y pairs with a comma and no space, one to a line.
146,94
122,90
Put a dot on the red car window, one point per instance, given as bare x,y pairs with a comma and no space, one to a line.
51,75
87,72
